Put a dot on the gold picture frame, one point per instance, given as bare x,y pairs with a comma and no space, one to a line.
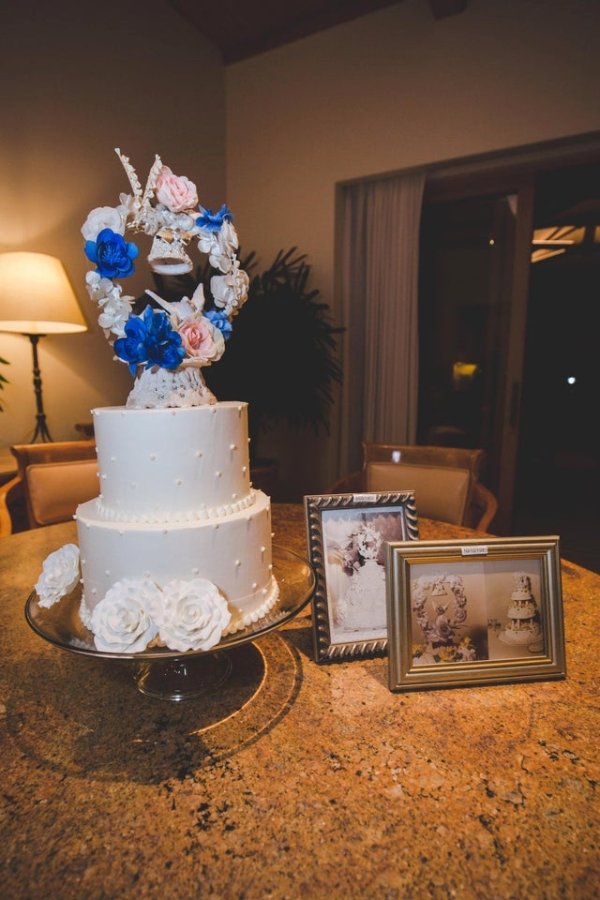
346,536
474,612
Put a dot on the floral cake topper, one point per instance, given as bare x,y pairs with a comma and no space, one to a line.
183,335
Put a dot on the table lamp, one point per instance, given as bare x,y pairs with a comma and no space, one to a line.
36,299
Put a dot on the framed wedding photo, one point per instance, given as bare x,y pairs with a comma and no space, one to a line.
474,612
347,535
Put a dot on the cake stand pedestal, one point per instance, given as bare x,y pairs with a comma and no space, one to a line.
182,678
168,674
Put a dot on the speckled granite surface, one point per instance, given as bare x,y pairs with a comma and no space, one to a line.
296,779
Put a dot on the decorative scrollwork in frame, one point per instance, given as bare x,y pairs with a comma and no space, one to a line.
347,535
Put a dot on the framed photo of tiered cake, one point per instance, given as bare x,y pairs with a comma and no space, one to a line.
474,612
347,536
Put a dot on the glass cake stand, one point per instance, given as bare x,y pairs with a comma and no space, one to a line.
170,674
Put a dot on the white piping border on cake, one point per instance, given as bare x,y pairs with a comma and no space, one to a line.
109,514
256,614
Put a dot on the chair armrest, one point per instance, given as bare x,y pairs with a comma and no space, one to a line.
484,506
6,525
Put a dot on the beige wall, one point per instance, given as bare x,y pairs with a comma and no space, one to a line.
392,90
77,80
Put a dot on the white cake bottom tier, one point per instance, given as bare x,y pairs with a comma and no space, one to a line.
234,552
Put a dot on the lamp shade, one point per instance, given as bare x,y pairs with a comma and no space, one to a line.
36,296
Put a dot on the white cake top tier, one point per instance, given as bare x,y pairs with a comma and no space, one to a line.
172,465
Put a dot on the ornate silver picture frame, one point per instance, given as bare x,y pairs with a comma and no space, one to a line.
474,612
347,535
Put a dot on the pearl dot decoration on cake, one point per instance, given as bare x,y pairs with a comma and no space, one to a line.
153,457
232,447
238,563
107,571
218,474
198,454
195,570
178,482
113,459
254,585
244,469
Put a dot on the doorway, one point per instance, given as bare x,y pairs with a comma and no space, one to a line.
558,465
507,347
472,308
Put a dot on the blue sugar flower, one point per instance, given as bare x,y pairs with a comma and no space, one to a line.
112,254
150,340
214,221
220,321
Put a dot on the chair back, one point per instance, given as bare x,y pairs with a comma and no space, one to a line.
441,492
457,457
55,490
452,497
56,478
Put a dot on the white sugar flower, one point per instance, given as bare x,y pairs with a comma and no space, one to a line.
60,575
100,288
114,315
193,616
230,291
124,620
103,217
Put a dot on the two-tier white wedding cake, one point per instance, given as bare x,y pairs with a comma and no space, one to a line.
176,549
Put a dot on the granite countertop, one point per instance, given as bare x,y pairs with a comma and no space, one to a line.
294,778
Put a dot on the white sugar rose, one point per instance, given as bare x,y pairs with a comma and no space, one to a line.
193,616
124,620
100,218
60,575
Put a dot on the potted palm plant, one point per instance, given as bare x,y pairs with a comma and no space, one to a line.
281,357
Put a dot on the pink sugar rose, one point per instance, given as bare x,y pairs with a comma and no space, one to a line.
176,192
197,337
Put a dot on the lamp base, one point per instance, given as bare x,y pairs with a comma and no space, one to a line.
41,429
